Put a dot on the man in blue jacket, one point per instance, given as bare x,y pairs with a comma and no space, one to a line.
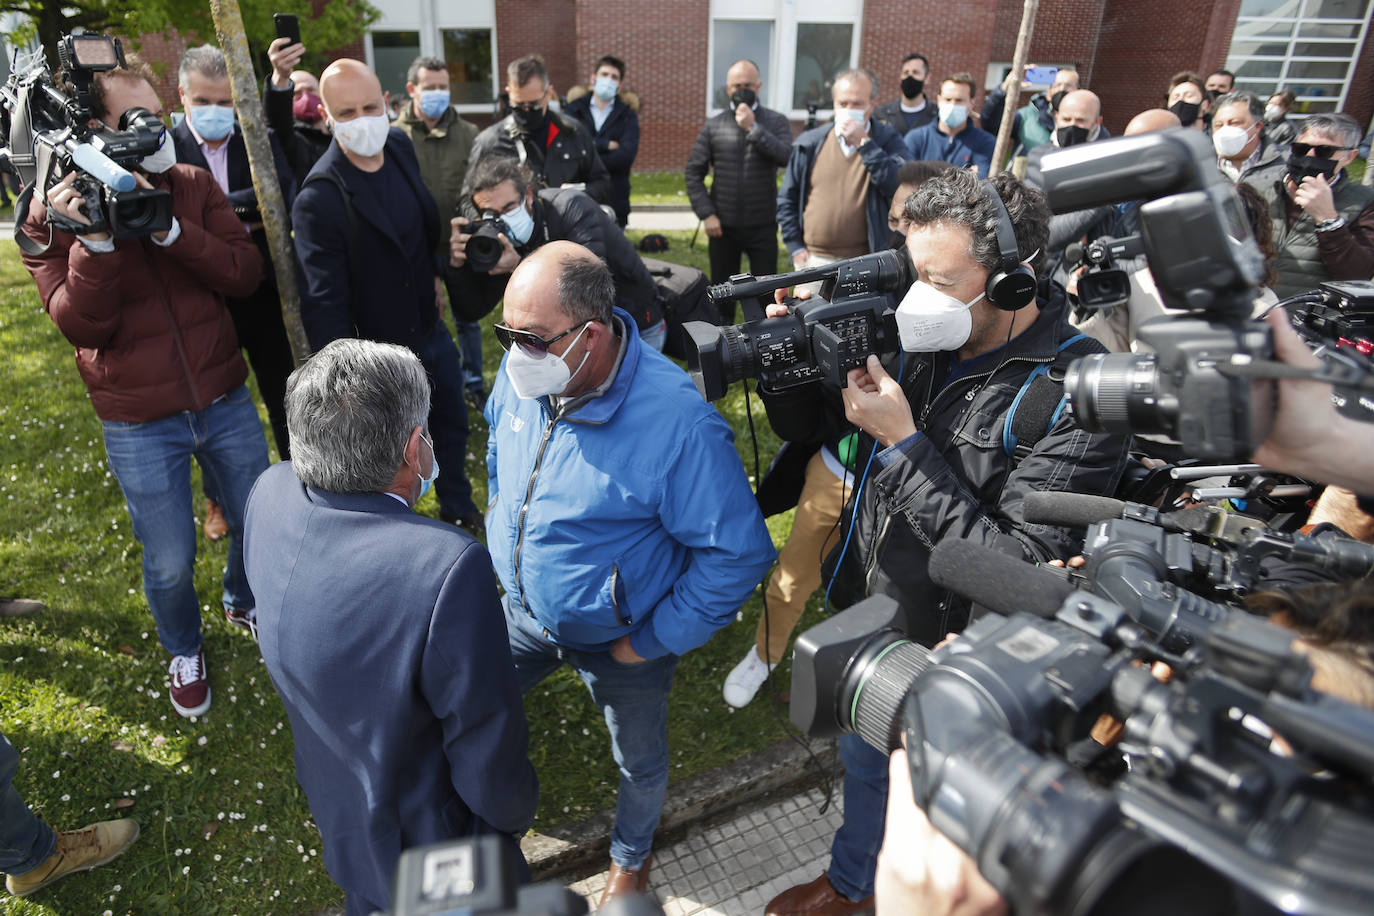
366,233
612,118
381,628
840,180
621,521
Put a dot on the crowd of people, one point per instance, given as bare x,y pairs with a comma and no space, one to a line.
621,531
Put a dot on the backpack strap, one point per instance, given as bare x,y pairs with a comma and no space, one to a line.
1038,406
354,261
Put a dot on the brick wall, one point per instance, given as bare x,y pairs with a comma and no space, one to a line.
1065,33
1359,101
539,27
954,37
1138,50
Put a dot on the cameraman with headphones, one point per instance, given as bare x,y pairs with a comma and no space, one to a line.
953,431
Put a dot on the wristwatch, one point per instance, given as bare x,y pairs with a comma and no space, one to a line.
1327,225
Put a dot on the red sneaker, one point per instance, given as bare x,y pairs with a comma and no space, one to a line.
190,684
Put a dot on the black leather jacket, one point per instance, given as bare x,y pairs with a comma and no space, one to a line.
571,157
955,480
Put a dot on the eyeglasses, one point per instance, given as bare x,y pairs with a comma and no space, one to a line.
530,342
1324,150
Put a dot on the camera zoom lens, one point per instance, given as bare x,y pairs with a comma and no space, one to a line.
1116,393
738,361
876,684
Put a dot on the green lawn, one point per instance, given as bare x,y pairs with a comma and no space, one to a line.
83,686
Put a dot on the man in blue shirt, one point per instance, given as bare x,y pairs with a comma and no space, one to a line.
950,137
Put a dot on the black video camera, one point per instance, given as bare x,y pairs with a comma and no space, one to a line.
1103,284
996,725
483,248
1195,236
821,338
49,134
479,877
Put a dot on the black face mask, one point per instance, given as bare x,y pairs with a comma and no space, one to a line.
1057,98
1071,135
1300,167
895,240
743,97
531,122
1187,111
911,86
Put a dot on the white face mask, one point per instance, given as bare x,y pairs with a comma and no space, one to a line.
520,223
427,482
849,114
1272,112
161,159
1230,140
928,321
537,376
364,136
953,116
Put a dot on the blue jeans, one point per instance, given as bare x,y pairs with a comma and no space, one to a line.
653,337
25,841
448,423
470,346
854,851
634,700
152,462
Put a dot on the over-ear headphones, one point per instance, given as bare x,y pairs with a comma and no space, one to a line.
1012,285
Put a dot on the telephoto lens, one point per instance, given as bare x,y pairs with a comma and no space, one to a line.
1119,393
483,249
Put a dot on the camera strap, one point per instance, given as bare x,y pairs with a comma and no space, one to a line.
44,162
1038,405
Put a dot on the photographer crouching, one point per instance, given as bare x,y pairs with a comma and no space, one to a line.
954,431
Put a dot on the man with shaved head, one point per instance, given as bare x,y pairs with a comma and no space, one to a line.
621,522
366,234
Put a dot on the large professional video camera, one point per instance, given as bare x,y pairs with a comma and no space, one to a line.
1103,283
1198,244
821,338
1198,813
49,134
478,877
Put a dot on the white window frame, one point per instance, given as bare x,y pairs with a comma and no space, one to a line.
1286,60
778,85
429,19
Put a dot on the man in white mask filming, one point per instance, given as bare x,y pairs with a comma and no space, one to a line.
942,452
366,233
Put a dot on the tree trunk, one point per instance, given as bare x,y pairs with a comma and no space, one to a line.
1018,66
244,83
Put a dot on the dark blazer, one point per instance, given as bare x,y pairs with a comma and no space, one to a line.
241,195
622,126
384,637
365,285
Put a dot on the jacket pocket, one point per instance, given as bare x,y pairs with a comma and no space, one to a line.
619,598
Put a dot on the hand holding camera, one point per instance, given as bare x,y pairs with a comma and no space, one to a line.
483,245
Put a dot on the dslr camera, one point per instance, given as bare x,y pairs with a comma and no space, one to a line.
49,134
821,338
1194,389
483,248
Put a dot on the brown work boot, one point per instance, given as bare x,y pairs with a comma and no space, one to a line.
77,850
626,881
819,898
215,526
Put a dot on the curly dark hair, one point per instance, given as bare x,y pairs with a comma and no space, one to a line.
491,171
956,198
1257,212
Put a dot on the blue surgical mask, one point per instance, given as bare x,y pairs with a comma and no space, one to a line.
434,102
212,122
427,482
519,225
953,116
605,88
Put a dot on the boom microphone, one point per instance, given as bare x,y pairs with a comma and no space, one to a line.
1071,510
997,581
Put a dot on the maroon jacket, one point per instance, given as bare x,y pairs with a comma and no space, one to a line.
151,331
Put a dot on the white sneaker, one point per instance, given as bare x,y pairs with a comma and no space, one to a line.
745,679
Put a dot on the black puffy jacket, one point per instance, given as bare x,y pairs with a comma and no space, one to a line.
956,480
745,188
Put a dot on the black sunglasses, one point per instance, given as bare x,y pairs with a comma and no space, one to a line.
1324,150
526,106
529,341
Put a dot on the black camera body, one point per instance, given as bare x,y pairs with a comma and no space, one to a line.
820,339
483,248
1103,284
1205,262
1181,391
49,134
